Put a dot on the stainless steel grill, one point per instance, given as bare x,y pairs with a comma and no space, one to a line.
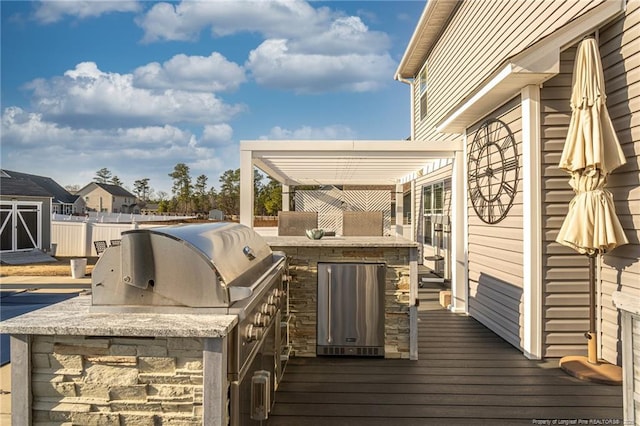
223,268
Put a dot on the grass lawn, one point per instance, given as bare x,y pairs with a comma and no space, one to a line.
62,267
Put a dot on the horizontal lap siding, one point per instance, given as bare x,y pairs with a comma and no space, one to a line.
479,38
495,254
620,270
565,272
424,128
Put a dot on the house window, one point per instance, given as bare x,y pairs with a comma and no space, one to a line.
433,199
423,92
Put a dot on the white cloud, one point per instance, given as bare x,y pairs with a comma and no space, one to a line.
274,18
88,97
272,64
332,132
52,11
130,153
217,134
306,50
345,36
213,73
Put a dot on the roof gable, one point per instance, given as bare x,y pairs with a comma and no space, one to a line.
53,189
115,190
21,187
18,183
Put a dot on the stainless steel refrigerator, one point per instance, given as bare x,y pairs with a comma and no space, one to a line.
351,309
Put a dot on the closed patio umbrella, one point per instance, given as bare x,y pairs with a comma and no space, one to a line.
591,140
590,153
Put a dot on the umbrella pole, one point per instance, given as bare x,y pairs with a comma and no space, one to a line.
591,335
588,368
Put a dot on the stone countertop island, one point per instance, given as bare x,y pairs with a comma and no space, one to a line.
370,242
401,286
71,365
74,318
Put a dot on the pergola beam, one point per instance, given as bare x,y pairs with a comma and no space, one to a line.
336,162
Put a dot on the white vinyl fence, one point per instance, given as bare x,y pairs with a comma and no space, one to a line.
117,217
75,239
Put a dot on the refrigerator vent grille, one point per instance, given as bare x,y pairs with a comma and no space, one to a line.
351,350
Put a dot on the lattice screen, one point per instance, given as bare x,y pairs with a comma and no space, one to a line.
331,203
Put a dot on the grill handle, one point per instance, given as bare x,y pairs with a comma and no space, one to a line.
249,253
260,395
239,292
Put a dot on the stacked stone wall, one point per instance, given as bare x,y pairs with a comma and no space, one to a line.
117,380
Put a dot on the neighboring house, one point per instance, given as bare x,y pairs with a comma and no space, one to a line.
472,61
25,214
149,208
63,202
107,198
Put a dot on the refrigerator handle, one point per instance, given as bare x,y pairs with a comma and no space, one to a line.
329,339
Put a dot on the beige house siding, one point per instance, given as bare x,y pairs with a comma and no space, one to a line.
565,272
424,128
456,70
101,200
479,38
620,269
496,252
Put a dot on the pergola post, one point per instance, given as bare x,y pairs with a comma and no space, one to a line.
286,199
246,188
414,215
399,210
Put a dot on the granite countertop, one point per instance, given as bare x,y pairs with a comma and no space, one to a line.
74,318
340,242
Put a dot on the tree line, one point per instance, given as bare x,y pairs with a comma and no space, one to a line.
189,196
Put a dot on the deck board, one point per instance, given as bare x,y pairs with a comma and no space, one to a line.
465,375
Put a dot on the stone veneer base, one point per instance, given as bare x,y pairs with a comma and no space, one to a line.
304,255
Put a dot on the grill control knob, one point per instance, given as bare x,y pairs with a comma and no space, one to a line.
274,300
252,333
261,320
268,309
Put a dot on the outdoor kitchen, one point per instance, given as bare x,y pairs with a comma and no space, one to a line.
194,324
184,325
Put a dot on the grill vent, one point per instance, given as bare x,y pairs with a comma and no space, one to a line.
350,351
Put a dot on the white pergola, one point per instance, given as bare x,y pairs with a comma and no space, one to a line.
358,162
336,162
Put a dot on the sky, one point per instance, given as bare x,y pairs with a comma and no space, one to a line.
138,87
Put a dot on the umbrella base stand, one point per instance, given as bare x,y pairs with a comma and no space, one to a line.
600,372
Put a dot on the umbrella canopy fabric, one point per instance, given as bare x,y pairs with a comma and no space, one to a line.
591,225
591,140
590,153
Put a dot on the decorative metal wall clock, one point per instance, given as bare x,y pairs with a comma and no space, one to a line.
493,171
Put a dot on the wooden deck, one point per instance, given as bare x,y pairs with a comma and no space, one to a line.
466,375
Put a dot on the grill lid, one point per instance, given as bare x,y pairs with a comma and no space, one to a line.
232,249
198,265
